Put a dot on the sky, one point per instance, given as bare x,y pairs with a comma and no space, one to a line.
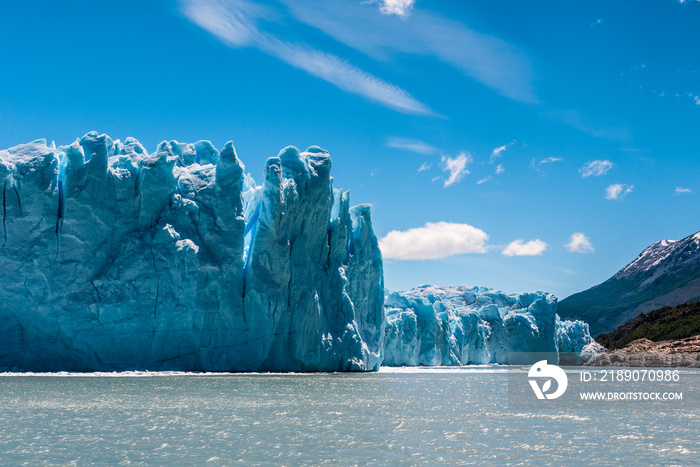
515,145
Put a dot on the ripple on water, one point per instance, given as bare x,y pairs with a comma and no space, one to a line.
403,416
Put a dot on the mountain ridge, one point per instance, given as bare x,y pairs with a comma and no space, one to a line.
666,273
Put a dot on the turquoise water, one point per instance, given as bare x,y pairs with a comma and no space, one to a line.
411,417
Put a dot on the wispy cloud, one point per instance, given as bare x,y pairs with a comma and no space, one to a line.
598,22
664,82
347,77
521,248
412,145
433,241
537,166
595,168
579,243
498,152
456,166
485,58
424,166
618,191
499,170
235,23
680,189
596,129
550,160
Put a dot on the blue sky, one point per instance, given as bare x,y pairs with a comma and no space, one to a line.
513,145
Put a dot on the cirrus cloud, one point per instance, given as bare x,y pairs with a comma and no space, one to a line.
483,57
409,144
595,168
433,241
235,23
522,248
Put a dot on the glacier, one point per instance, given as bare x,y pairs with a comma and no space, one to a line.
116,259
113,258
462,325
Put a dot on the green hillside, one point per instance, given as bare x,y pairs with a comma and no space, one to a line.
612,303
667,323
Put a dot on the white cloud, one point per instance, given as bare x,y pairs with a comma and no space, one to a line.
521,248
433,241
424,166
537,166
234,23
396,7
680,189
595,168
618,191
483,57
496,153
579,243
412,145
345,76
550,160
456,166
499,169
484,180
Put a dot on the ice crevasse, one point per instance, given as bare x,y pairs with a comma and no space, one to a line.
113,258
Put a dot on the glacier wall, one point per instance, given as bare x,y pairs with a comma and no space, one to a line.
461,325
113,258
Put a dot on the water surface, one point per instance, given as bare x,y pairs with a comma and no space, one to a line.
410,417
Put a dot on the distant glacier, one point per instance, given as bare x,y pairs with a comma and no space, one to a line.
462,325
116,259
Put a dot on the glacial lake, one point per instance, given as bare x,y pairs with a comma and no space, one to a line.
443,416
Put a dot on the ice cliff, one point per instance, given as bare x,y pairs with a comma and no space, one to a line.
462,325
113,258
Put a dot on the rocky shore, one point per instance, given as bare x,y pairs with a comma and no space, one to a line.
683,353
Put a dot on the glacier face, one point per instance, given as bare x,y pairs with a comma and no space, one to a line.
461,325
113,258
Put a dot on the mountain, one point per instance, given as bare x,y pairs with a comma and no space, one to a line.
664,324
667,273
